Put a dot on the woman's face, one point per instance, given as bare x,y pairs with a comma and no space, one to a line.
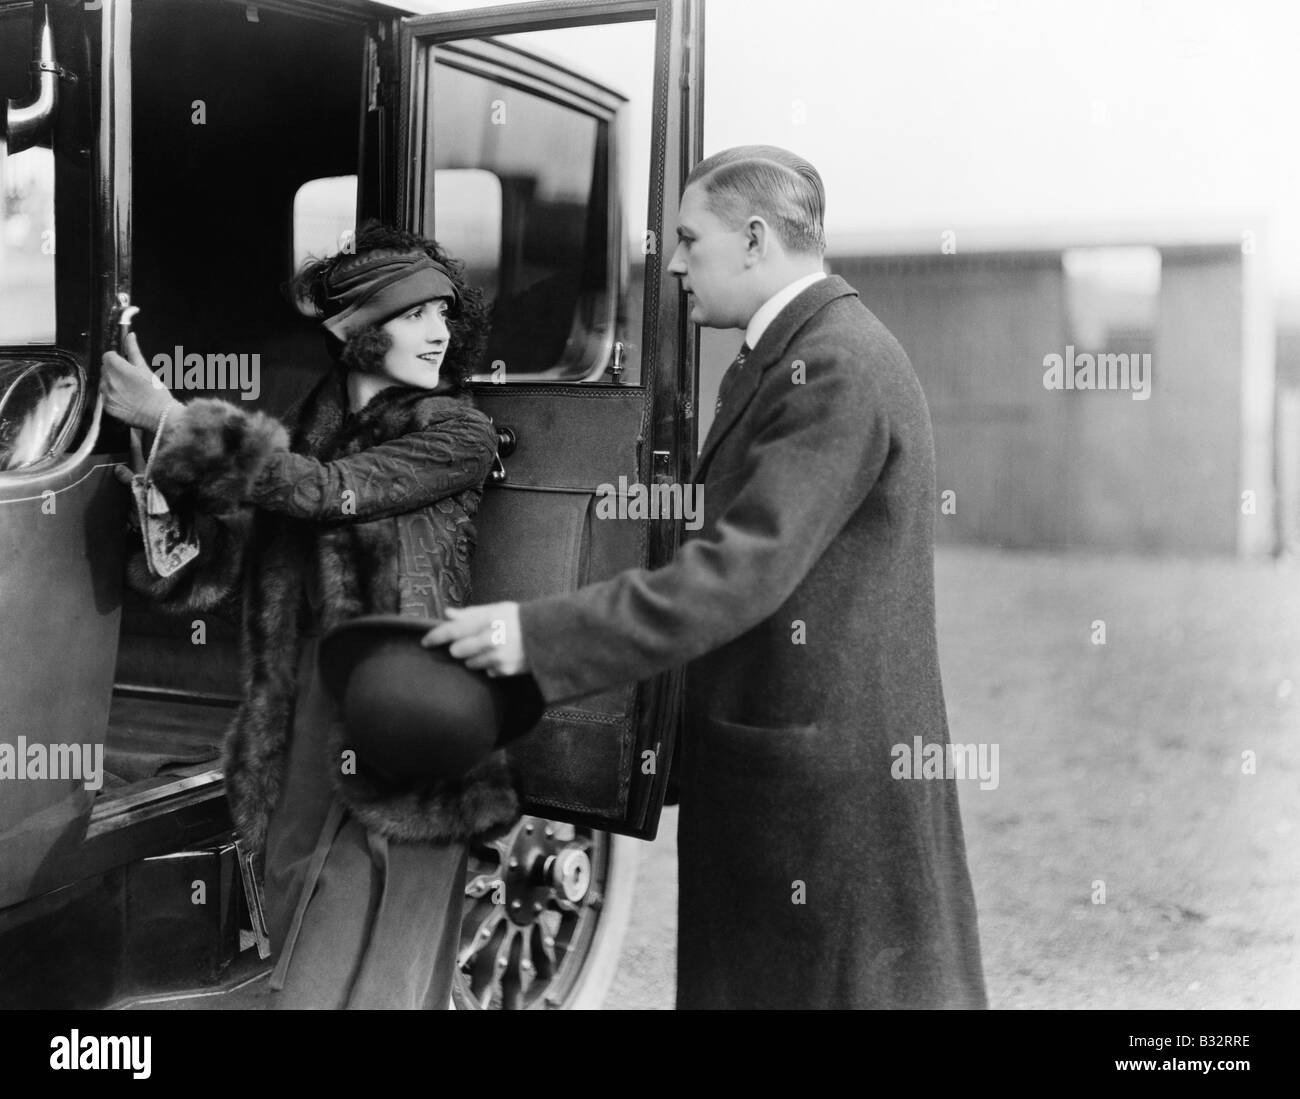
420,339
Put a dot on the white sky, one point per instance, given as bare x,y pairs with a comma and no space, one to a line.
1013,114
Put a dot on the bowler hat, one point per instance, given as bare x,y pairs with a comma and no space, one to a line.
414,714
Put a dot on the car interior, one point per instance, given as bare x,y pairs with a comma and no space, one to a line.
224,135
226,139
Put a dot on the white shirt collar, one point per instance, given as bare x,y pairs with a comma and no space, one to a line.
767,312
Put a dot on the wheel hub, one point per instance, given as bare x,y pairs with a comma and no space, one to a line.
542,867
532,900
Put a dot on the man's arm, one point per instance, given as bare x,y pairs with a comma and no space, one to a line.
817,450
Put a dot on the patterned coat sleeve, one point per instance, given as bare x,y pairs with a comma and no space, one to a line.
220,458
448,455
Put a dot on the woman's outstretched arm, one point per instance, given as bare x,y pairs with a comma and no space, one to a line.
221,458
215,457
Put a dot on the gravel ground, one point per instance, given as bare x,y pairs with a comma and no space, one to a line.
1119,763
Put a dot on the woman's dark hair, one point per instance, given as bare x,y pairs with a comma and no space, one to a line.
364,350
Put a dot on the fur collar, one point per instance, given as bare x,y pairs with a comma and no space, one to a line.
322,426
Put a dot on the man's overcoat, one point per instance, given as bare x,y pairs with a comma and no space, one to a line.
812,874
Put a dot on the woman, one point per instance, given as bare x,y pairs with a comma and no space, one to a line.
359,502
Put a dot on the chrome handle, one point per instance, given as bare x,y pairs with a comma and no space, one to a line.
125,315
26,124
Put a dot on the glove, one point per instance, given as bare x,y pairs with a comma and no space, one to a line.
131,391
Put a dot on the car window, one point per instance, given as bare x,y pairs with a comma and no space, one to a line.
539,182
27,242
324,217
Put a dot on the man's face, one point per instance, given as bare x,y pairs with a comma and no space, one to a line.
710,262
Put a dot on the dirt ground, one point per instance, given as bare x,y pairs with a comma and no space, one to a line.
1120,765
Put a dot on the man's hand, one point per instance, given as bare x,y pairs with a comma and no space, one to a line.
486,638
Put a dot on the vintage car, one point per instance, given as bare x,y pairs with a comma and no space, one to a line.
149,149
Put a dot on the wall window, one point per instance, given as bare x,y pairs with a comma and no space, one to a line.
1111,297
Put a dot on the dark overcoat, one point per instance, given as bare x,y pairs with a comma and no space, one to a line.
809,876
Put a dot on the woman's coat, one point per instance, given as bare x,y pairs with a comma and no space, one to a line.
313,501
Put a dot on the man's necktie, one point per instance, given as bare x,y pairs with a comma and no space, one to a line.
730,378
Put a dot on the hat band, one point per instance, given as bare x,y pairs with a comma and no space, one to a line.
390,297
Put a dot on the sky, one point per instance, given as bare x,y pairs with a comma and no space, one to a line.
1012,119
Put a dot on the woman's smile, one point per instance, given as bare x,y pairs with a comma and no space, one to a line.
418,343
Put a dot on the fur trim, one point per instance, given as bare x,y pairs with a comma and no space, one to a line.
257,741
212,453
479,804
211,581
356,567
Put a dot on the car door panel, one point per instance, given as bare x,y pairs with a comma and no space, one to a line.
539,534
602,760
60,602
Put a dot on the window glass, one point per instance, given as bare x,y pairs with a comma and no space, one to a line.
27,289
539,149
27,247
39,404
324,217
467,212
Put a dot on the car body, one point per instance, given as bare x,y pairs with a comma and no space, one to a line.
167,163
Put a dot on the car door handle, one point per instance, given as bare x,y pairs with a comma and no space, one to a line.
507,440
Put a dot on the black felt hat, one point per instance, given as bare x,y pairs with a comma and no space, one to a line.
414,714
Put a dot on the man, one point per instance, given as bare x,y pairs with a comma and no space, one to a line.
809,876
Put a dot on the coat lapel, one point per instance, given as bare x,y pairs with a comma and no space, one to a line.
771,346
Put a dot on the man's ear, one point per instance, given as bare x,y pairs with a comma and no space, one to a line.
757,237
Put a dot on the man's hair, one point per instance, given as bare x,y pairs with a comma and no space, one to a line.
780,187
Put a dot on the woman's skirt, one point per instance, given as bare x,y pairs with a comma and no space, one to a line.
356,920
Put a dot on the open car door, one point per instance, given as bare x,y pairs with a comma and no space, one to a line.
546,145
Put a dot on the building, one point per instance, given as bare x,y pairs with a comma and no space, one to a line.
1178,458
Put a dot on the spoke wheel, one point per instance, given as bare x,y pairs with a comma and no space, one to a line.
536,916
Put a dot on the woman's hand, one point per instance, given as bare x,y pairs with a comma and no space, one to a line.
485,637
131,392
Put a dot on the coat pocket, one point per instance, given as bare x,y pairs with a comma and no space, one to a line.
753,836
781,765
763,738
